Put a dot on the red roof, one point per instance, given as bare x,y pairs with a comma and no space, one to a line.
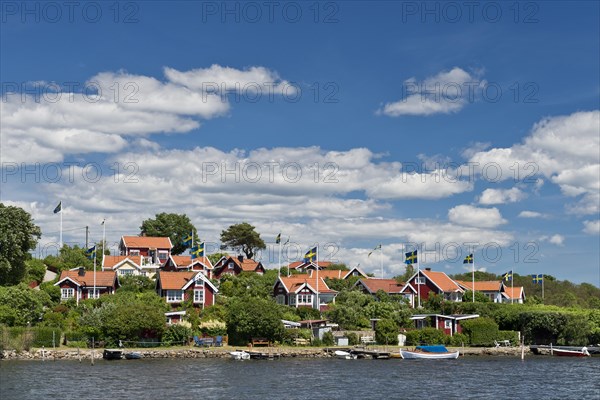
294,282
481,286
147,242
185,261
109,262
322,264
442,281
331,274
175,280
513,293
387,285
103,278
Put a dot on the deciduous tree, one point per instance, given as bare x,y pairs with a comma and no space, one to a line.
242,237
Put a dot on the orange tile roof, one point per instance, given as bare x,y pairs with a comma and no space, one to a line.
103,278
184,261
294,282
322,264
331,274
110,261
387,285
147,242
442,280
481,286
513,293
175,280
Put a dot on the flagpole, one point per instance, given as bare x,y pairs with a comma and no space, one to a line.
103,239
61,226
318,301
543,287
381,259
512,285
473,259
418,278
95,252
279,262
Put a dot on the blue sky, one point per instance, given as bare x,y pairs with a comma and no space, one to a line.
351,90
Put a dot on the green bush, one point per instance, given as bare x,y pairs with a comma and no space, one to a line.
46,336
328,339
386,332
353,339
512,336
458,340
426,336
481,331
176,335
316,342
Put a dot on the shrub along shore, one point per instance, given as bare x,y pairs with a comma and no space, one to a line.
85,355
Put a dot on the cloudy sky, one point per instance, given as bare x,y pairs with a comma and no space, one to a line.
439,126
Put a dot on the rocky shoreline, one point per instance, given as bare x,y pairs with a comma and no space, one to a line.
303,352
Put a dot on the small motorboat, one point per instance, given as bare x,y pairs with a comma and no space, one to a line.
344,355
437,352
134,355
571,353
239,355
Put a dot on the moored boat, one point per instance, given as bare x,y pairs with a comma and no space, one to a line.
571,353
344,355
134,355
239,355
437,352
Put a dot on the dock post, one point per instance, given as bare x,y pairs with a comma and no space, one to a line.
43,354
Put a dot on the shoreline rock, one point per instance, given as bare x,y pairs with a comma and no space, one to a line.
86,354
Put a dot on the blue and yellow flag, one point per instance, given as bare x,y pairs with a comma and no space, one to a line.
197,251
411,257
468,259
91,253
278,238
507,276
58,208
187,240
538,279
311,255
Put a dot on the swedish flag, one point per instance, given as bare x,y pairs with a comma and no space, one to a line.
278,239
58,208
507,276
378,247
197,251
311,255
187,241
538,278
411,257
91,253
468,259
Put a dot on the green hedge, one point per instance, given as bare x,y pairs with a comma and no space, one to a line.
426,336
481,331
23,339
509,335
47,337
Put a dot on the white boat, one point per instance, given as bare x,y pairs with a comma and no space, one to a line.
239,355
344,355
571,353
437,352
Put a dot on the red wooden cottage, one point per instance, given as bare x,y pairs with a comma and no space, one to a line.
449,324
236,265
78,284
155,251
180,286
427,281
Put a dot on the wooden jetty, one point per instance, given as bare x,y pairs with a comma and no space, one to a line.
260,355
545,349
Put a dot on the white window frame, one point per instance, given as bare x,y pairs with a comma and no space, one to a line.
126,272
230,265
447,324
165,253
67,293
134,252
305,299
174,296
420,280
198,300
292,299
90,293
